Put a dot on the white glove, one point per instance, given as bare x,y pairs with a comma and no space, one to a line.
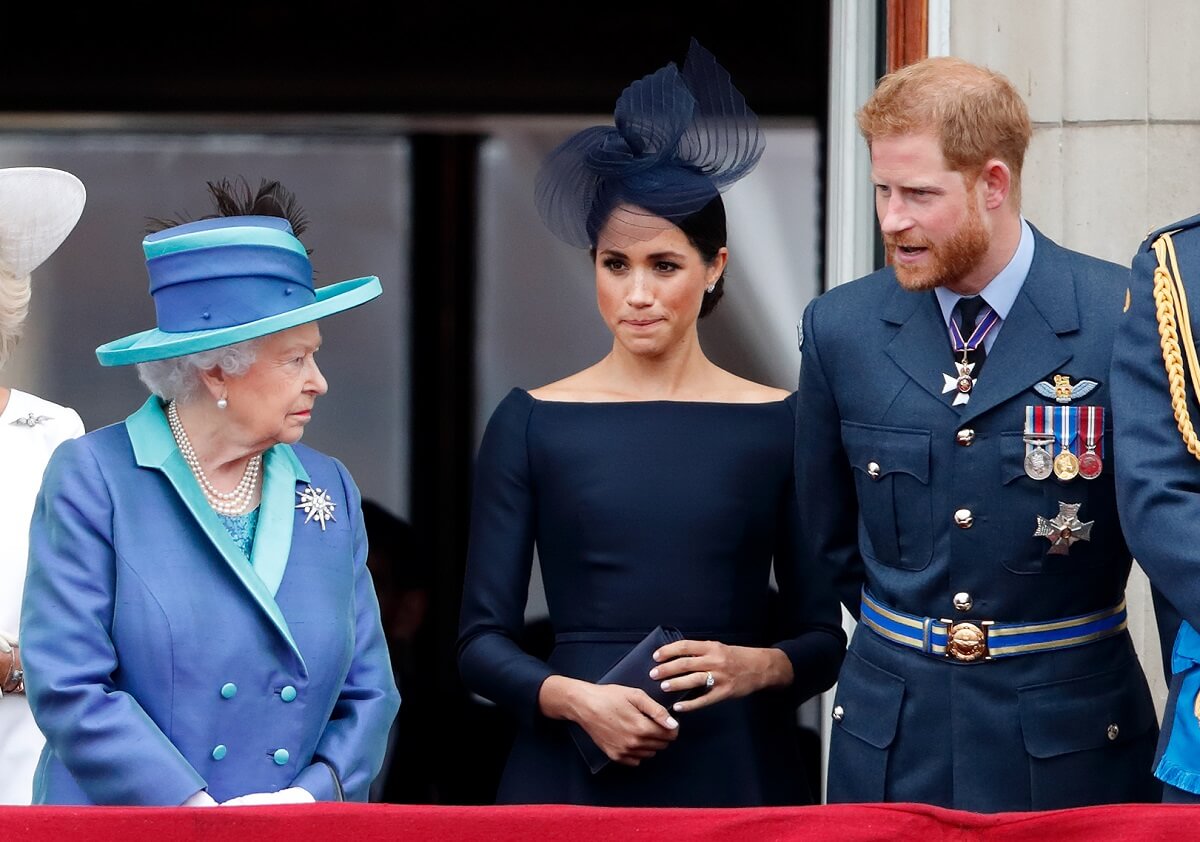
291,795
199,799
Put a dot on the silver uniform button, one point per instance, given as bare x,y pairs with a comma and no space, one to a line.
962,601
964,518
1113,731
839,713
873,470
965,437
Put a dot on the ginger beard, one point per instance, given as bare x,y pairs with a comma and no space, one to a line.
949,261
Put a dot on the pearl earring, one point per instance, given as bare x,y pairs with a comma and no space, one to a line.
710,287
222,403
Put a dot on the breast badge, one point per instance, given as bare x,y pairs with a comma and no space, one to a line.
1062,391
1064,529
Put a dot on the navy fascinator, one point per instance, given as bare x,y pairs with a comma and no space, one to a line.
680,137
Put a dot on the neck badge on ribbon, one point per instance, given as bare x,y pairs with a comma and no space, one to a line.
961,382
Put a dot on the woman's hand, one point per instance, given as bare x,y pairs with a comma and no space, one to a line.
736,670
624,722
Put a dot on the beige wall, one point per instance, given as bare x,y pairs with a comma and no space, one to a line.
1113,88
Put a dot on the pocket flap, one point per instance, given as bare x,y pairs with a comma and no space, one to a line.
870,699
1012,456
894,450
1085,713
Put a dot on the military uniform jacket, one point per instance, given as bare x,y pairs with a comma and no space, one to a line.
884,464
159,661
1158,486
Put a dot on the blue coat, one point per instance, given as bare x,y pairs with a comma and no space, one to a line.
159,661
1158,489
1025,732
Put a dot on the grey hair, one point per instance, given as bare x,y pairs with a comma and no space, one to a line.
14,307
178,378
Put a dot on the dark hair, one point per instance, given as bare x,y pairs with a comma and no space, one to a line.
392,539
707,233
237,199
706,230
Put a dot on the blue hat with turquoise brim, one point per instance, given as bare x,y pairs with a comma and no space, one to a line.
220,281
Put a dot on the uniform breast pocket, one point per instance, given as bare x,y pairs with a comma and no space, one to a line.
1012,534
891,475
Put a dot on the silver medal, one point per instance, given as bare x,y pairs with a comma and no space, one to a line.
1039,463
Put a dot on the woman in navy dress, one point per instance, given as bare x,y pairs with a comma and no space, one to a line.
657,489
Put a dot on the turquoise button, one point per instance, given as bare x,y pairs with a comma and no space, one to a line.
219,753
228,691
288,694
281,756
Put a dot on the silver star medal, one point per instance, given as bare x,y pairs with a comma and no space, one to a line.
962,383
1064,529
316,505
30,420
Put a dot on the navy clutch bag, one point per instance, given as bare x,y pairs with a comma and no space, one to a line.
633,670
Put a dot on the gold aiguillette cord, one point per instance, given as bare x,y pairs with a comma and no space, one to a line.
1170,299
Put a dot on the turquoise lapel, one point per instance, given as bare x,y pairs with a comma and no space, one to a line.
154,447
277,515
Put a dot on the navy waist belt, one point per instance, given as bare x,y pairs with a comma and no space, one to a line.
985,639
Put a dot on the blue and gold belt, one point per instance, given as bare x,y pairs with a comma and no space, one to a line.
984,640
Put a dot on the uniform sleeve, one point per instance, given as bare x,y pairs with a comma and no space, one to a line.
111,747
499,562
827,501
809,613
1158,481
350,751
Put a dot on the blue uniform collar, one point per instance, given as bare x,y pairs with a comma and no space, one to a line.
154,447
1002,290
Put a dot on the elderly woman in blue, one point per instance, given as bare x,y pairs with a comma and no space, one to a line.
199,625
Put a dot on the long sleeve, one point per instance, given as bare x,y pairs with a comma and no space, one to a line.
809,613
825,486
112,748
352,746
1158,481
499,562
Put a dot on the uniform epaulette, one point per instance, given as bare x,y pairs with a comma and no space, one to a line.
1192,222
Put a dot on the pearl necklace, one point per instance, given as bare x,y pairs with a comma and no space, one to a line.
226,503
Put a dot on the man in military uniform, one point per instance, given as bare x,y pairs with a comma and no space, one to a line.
1154,380
953,463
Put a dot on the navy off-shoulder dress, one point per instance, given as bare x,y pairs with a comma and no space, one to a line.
645,513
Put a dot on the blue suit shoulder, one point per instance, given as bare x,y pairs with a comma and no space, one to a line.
1086,265
1184,229
104,446
867,291
841,310
321,466
1185,238
1100,284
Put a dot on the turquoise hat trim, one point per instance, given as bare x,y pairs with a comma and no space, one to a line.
252,236
155,344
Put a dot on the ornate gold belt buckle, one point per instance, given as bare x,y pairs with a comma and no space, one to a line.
967,641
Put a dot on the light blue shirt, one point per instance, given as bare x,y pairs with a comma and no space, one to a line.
1001,291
